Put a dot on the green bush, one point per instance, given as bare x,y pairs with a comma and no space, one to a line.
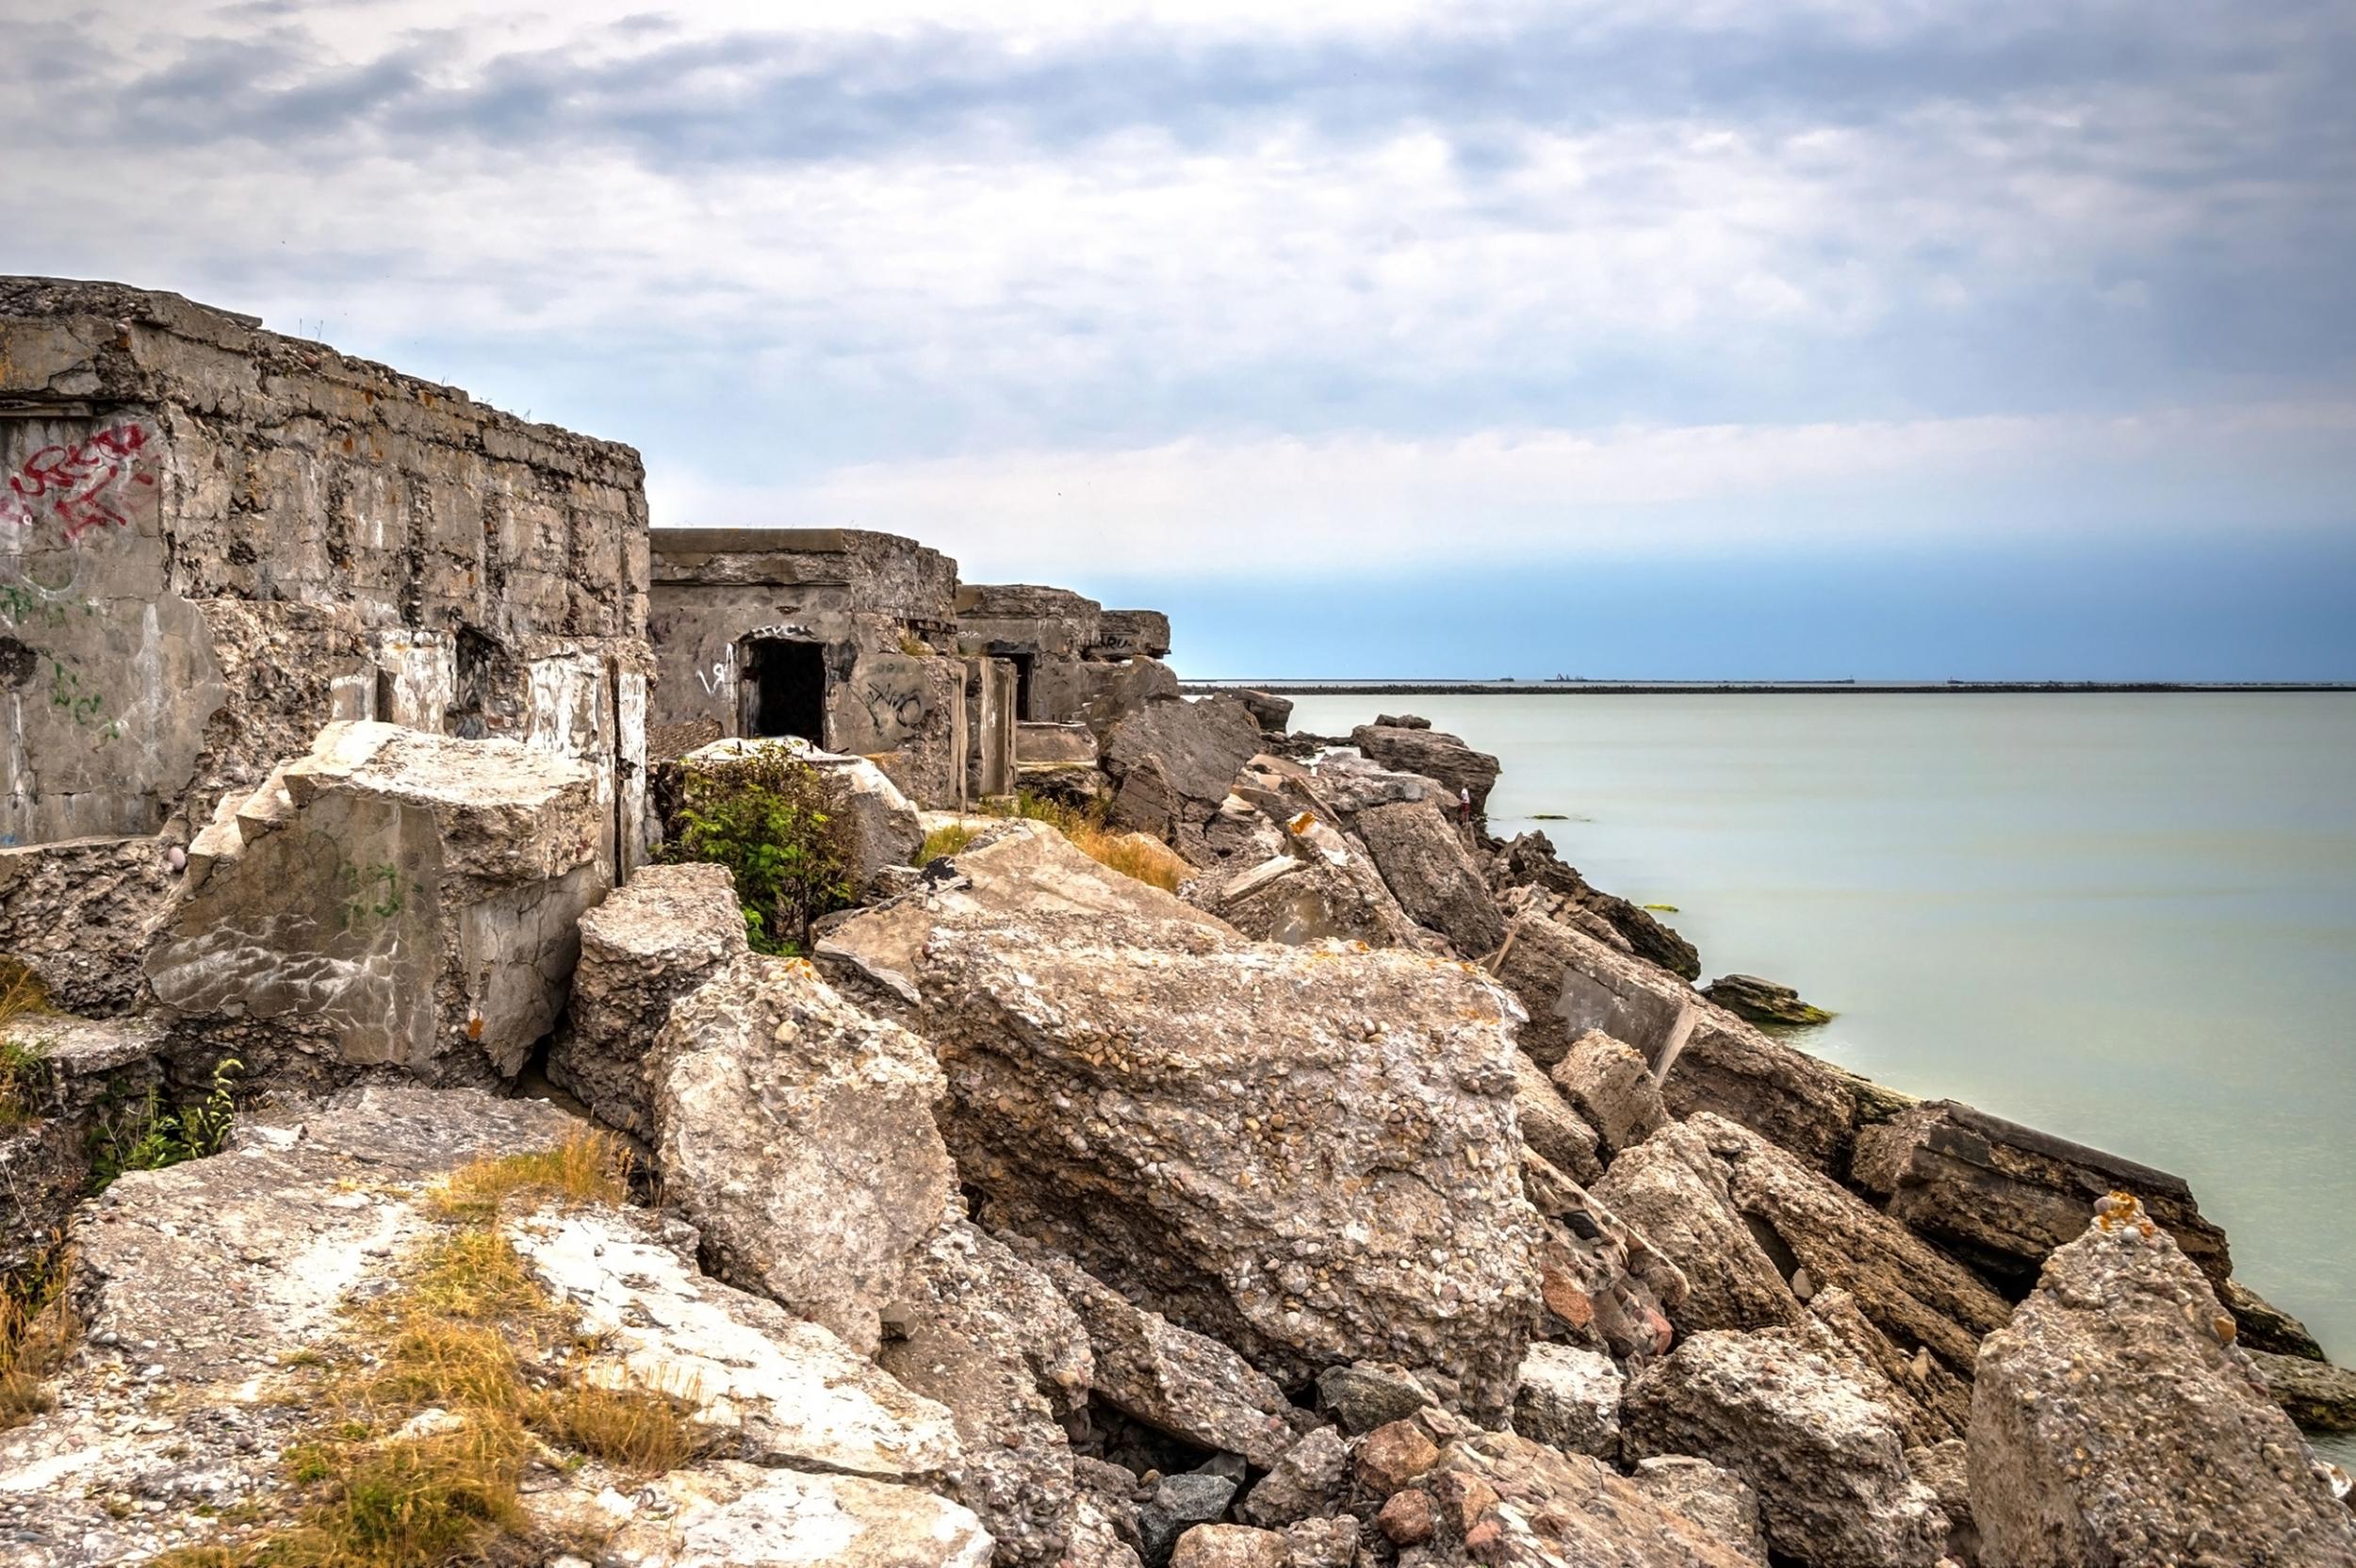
776,823
155,1136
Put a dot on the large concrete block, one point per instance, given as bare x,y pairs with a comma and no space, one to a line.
393,898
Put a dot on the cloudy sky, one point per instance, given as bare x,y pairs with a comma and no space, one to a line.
1784,338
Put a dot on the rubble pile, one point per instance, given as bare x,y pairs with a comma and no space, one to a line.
1387,1196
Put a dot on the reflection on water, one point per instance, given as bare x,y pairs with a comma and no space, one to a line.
2129,920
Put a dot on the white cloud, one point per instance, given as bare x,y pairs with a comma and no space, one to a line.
1208,507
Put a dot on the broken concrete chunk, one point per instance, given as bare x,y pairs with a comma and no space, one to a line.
1423,860
1569,1399
650,943
2114,1421
1178,1382
787,1391
1550,1127
405,899
2004,1196
991,1337
1828,1462
1307,1155
1720,1502
1435,755
1231,1546
747,1517
1307,1482
797,1133
1498,1498
1611,1086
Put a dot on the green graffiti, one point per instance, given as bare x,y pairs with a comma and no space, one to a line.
373,892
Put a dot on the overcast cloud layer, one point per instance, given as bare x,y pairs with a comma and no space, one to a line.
1154,302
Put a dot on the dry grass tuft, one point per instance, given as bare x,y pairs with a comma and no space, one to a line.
468,1334
591,1165
1137,854
37,1329
21,1058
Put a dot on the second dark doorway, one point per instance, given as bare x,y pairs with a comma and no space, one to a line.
785,689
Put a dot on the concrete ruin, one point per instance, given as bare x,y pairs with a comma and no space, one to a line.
215,540
867,644
223,548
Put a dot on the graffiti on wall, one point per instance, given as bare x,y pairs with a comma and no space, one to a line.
76,487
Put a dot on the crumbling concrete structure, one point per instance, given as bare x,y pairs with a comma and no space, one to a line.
844,639
1075,662
214,540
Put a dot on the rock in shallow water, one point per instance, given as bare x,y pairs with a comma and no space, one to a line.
1763,1002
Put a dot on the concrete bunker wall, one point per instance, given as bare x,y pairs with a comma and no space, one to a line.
215,540
742,616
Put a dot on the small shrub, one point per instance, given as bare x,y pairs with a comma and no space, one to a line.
774,821
915,646
153,1135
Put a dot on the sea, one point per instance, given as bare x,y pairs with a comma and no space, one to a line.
2128,919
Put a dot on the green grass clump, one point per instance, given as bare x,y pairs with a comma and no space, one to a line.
946,840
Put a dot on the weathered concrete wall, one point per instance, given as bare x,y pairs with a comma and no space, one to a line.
1052,623
874,603
214,540
1133,631
990,693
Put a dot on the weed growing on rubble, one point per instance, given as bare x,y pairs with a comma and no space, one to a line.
451,1387
153,1135
21,1072
776,823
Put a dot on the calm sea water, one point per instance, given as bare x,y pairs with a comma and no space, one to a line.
2128,920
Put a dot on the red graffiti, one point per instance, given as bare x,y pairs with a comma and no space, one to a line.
81,485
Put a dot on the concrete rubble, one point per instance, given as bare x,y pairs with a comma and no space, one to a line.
389,898
1387,1196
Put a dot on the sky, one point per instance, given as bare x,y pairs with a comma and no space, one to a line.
1787,339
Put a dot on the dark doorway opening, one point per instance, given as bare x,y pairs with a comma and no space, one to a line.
785,689
1021,663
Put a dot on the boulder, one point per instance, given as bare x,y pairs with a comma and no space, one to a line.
1106,693
1498,1499
1828,1463
990,1337
1703,1057
1553,1131
392,898
2004,1196
883,827
1348,784
1434,754
1323,1543
745,1516
2115,1421
2319,1396
1192,1388
1301,898
1401,721
1763,1002
1569,1399
1719,1501
1231,1546
1308,1154
1270,712
1182,757
797,1133
1018,868
664,934
1176,1505
1611,1089
1369,1394
1306,1483
1423,860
